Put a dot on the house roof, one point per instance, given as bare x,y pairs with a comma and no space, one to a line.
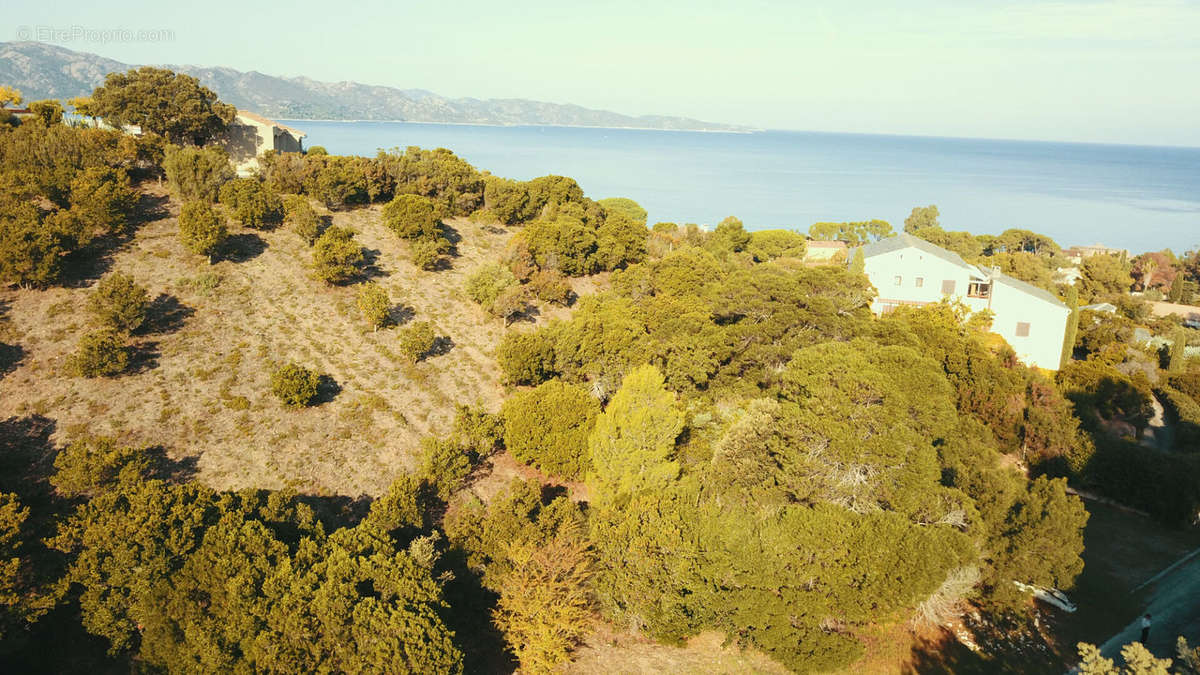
262,120
1101,307
905,240
1028,288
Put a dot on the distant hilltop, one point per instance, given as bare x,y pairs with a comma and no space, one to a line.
43,70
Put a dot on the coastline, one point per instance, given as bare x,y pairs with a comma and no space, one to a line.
747,130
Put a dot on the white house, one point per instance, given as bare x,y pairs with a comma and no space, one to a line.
250,135
907,270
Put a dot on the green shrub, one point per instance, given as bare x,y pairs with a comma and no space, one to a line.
101,199
197,174
477,429
295,385
426,253
526,358
417,340
100,353
548,427
253,204
92,465
202,229
303,218
488,282
1188,383
375,305
445,464
119,303
411,217
336,255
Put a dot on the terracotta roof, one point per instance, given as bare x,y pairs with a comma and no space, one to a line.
262,120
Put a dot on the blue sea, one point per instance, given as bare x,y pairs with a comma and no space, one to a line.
1136,197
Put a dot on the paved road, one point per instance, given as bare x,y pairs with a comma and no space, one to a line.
1174,603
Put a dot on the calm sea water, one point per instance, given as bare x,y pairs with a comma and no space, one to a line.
1141,198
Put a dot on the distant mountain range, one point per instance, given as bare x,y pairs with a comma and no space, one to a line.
43,70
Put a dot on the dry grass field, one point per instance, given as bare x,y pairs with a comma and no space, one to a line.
199,382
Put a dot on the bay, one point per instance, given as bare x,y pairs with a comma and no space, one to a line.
1136,197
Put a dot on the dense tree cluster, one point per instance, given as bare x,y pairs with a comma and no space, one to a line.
189,579
60,189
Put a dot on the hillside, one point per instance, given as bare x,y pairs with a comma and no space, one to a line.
42,70
216,330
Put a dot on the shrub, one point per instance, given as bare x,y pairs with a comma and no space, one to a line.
513,302
1188,383
202,229
303,218
252,203
90,466
411,217
374,304
295,385
550,286
417,340
445,464
100,353
548,427
101,199
426,253
336,255
197,174
119,303
488,282
526,358
478,430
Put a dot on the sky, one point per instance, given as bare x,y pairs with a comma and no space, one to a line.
1108,71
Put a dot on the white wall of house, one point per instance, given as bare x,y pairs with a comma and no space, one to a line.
913,276
1033,325
1046,325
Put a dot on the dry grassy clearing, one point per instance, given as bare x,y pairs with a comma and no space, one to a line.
199,385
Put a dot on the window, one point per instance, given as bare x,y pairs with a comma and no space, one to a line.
898,280
948,287
979,289
920,282
1022,329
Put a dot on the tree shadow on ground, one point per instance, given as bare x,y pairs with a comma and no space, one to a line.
327,390
86,265
441,346
240,248
166,314
529,314
1009,643
451,235
400,314
370,266
143,357
11,357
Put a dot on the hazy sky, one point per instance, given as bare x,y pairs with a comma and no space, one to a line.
1124,71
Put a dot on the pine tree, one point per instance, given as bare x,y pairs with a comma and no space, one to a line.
634,439
858,265
1178,356
1072,329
